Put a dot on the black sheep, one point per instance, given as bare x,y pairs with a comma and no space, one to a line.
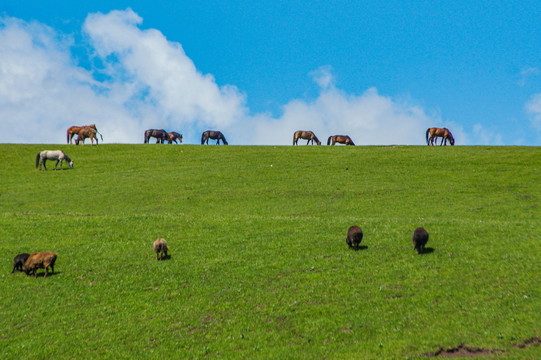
419,238
18,262
354,238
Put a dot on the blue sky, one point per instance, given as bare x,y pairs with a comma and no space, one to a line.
380,71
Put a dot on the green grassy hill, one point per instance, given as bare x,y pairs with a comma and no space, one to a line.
259,266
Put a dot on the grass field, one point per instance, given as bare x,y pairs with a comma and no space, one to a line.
259,267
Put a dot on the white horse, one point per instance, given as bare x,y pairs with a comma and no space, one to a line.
58,155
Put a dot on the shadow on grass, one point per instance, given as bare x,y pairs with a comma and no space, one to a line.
42,274
361,247
427,250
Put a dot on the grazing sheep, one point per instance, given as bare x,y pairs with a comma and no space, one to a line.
160,248
420,238
354,238
40,260
18,262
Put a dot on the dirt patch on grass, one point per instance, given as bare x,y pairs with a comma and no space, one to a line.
534,341
463,351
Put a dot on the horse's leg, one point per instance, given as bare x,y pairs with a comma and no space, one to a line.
44,161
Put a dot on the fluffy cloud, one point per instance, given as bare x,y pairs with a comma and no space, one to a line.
369,118
158,74
138,80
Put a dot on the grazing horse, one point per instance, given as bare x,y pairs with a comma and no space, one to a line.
73,130
58,155
86,133
214,135
174,136
306,135
160,135
433,133
342,139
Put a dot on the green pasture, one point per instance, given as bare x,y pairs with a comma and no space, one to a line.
259,266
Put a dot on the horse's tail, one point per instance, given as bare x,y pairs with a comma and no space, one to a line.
294,137
203,137
427,132
329,140
146,137
68,136
37,159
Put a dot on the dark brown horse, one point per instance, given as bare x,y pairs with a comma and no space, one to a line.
433,133
306,135
86,133
214,135
342,139
174,136
74,130
160,135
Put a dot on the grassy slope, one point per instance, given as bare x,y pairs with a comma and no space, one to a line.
259,266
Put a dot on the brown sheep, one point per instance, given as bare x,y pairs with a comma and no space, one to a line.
420,238
40,260
354,238
160,248
18,262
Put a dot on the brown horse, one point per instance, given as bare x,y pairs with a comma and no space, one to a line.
160,135
86,133
341,139
306,135
433,133
214,135
74,130
174,136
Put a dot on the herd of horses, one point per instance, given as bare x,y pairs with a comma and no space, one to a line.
83,132
161,136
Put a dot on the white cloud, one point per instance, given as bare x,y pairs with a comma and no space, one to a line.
486,136
533,107
147,81
149,63
369,118
42,92
527,73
